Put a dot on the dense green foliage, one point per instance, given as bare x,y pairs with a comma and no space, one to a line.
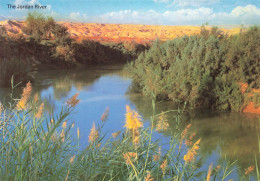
203,69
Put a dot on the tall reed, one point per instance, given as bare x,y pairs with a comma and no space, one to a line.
34,146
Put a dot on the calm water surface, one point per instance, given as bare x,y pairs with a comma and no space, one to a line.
223,135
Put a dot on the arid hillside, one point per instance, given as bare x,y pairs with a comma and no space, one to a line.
117,32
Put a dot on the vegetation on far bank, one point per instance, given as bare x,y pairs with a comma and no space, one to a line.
44,42
205,70
35,146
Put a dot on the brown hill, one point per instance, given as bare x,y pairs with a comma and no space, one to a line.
117,32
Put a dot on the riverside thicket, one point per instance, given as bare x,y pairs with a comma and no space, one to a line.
205,70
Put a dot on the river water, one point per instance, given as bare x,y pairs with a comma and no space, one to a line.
233,136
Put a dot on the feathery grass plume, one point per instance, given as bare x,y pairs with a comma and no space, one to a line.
163,166
157,157
162,123
133,119
249,170
93,136
190,156
209,172
105,115
136,137
72,159
40,111
36,98
78,132
64,124
21,105
62,135
115,134
54,137
189,142
98,145
73,124
1,108
183,134
133,122
136,140
130,157
148,177
73,101
217,168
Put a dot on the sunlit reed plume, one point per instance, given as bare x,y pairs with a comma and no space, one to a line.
21,105
35,98
73,124
93,136
162,123
98,145
40,111
133,119
217,168
72,158
136,140
190,156
73,101
115,134
209,172
249,170
133,122
183,134
64,124
105,115
157,157
189,142
1,108
54,137
130,157
78,132
163,166
62,135
148,177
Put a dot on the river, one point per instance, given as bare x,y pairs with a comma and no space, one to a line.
223,134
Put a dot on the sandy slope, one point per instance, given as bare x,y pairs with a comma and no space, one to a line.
118,32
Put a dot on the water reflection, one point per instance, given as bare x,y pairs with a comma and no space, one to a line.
223,134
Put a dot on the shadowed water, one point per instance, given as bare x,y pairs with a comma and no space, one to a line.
223,134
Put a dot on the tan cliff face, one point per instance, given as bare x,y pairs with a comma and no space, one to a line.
117,32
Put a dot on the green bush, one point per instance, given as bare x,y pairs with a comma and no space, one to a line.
201,69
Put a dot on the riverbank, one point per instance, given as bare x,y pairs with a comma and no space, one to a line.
41,41
204,70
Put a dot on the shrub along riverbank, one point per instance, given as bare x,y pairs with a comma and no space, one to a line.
206,70
44,42
36,147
